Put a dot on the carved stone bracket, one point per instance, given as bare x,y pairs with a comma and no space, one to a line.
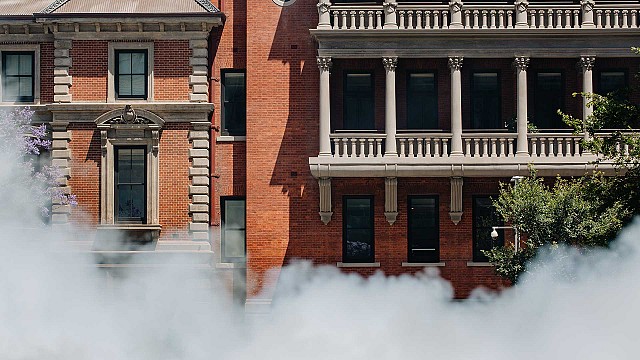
455,212
391,199
325,199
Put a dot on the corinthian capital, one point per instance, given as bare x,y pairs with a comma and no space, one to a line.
324,63
455,63
521,63
587,63
390,63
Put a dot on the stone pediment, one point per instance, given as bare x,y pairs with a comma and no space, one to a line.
129,116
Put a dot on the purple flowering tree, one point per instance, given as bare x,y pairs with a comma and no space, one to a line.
27,181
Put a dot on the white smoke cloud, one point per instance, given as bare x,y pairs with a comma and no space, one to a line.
56,304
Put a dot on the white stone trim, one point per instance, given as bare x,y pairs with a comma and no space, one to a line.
229,138
480,264
358,265
36,70
325,200
60,158
410,264
61,77
455,207
231,265
199,79
113,46
199,173
391,199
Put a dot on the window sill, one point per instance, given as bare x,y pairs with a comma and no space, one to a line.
480,264
357,265
410,264
231,265
130,227
230,138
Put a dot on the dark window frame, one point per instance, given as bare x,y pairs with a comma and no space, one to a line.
499,97
345,259
223,114
622,70
563,91
143,219
372,94
435,94
477,256
223,221
25,99
117,53
413,258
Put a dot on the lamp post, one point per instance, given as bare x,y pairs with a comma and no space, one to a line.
494,233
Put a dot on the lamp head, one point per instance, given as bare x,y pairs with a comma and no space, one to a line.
494,233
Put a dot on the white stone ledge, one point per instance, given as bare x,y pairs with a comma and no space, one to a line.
479,264
198,190
201,226
222,265
200,144
229,138
200,162
199,171
358,265
408,264
201,153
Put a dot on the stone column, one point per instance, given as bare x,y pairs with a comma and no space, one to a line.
61,79
199,79
199,173
522,14
324,16
521,64
455,65
390,16
587,14
586,64
455,7
390,64
60,158
324,64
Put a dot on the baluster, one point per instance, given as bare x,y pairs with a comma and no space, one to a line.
345,144
402,147
617,148
371,154
427,147
501,19
567,19
599,21
485,23
543,145
485,147
541,19
336,22
467,147
534,147
436,147
492,15
419,19
401,23
576,147
353,147
361,24
510,19
445,147
607,19
616,19
576,19
467,18
626,149
558,19
560,148
379,19
362,144
476,147
370,24
336,147
502,148
445,19
494,149
551,144
411,148
550,19
344,20
634,21
625,18
352,19
378,147
476,23
436,19
427,19
510,147
410,20
420,147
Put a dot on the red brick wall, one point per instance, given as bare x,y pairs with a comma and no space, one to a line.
89,70
46,72
171,70
85,172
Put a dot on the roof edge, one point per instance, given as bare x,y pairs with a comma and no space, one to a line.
53,6
207,5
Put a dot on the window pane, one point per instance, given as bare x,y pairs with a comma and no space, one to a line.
234,243
137,201
234,87
234,97
485,99
124,166
358,213
124,63
359,247
12,64
548,99
138,84
358,230
26,88
234,214
611,81
422,102
138,63
26,66
423,235
137,166
484,218
124,201
11,88
358,102
124,85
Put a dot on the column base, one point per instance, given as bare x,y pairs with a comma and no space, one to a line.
325,154
456,154
522,153
391,155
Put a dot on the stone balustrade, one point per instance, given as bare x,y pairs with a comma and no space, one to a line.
489,144
456,15
424,144
357,145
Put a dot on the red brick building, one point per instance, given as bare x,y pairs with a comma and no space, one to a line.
367,135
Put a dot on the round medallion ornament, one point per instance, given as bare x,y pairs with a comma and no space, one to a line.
284,2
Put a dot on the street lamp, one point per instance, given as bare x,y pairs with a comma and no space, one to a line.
494,233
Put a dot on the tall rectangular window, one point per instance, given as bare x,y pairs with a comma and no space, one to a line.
485,217
130,185
422,101
612,82
424,236
548,98
18,76
486,112
233,218
234,103
357,221
359,111
131,77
